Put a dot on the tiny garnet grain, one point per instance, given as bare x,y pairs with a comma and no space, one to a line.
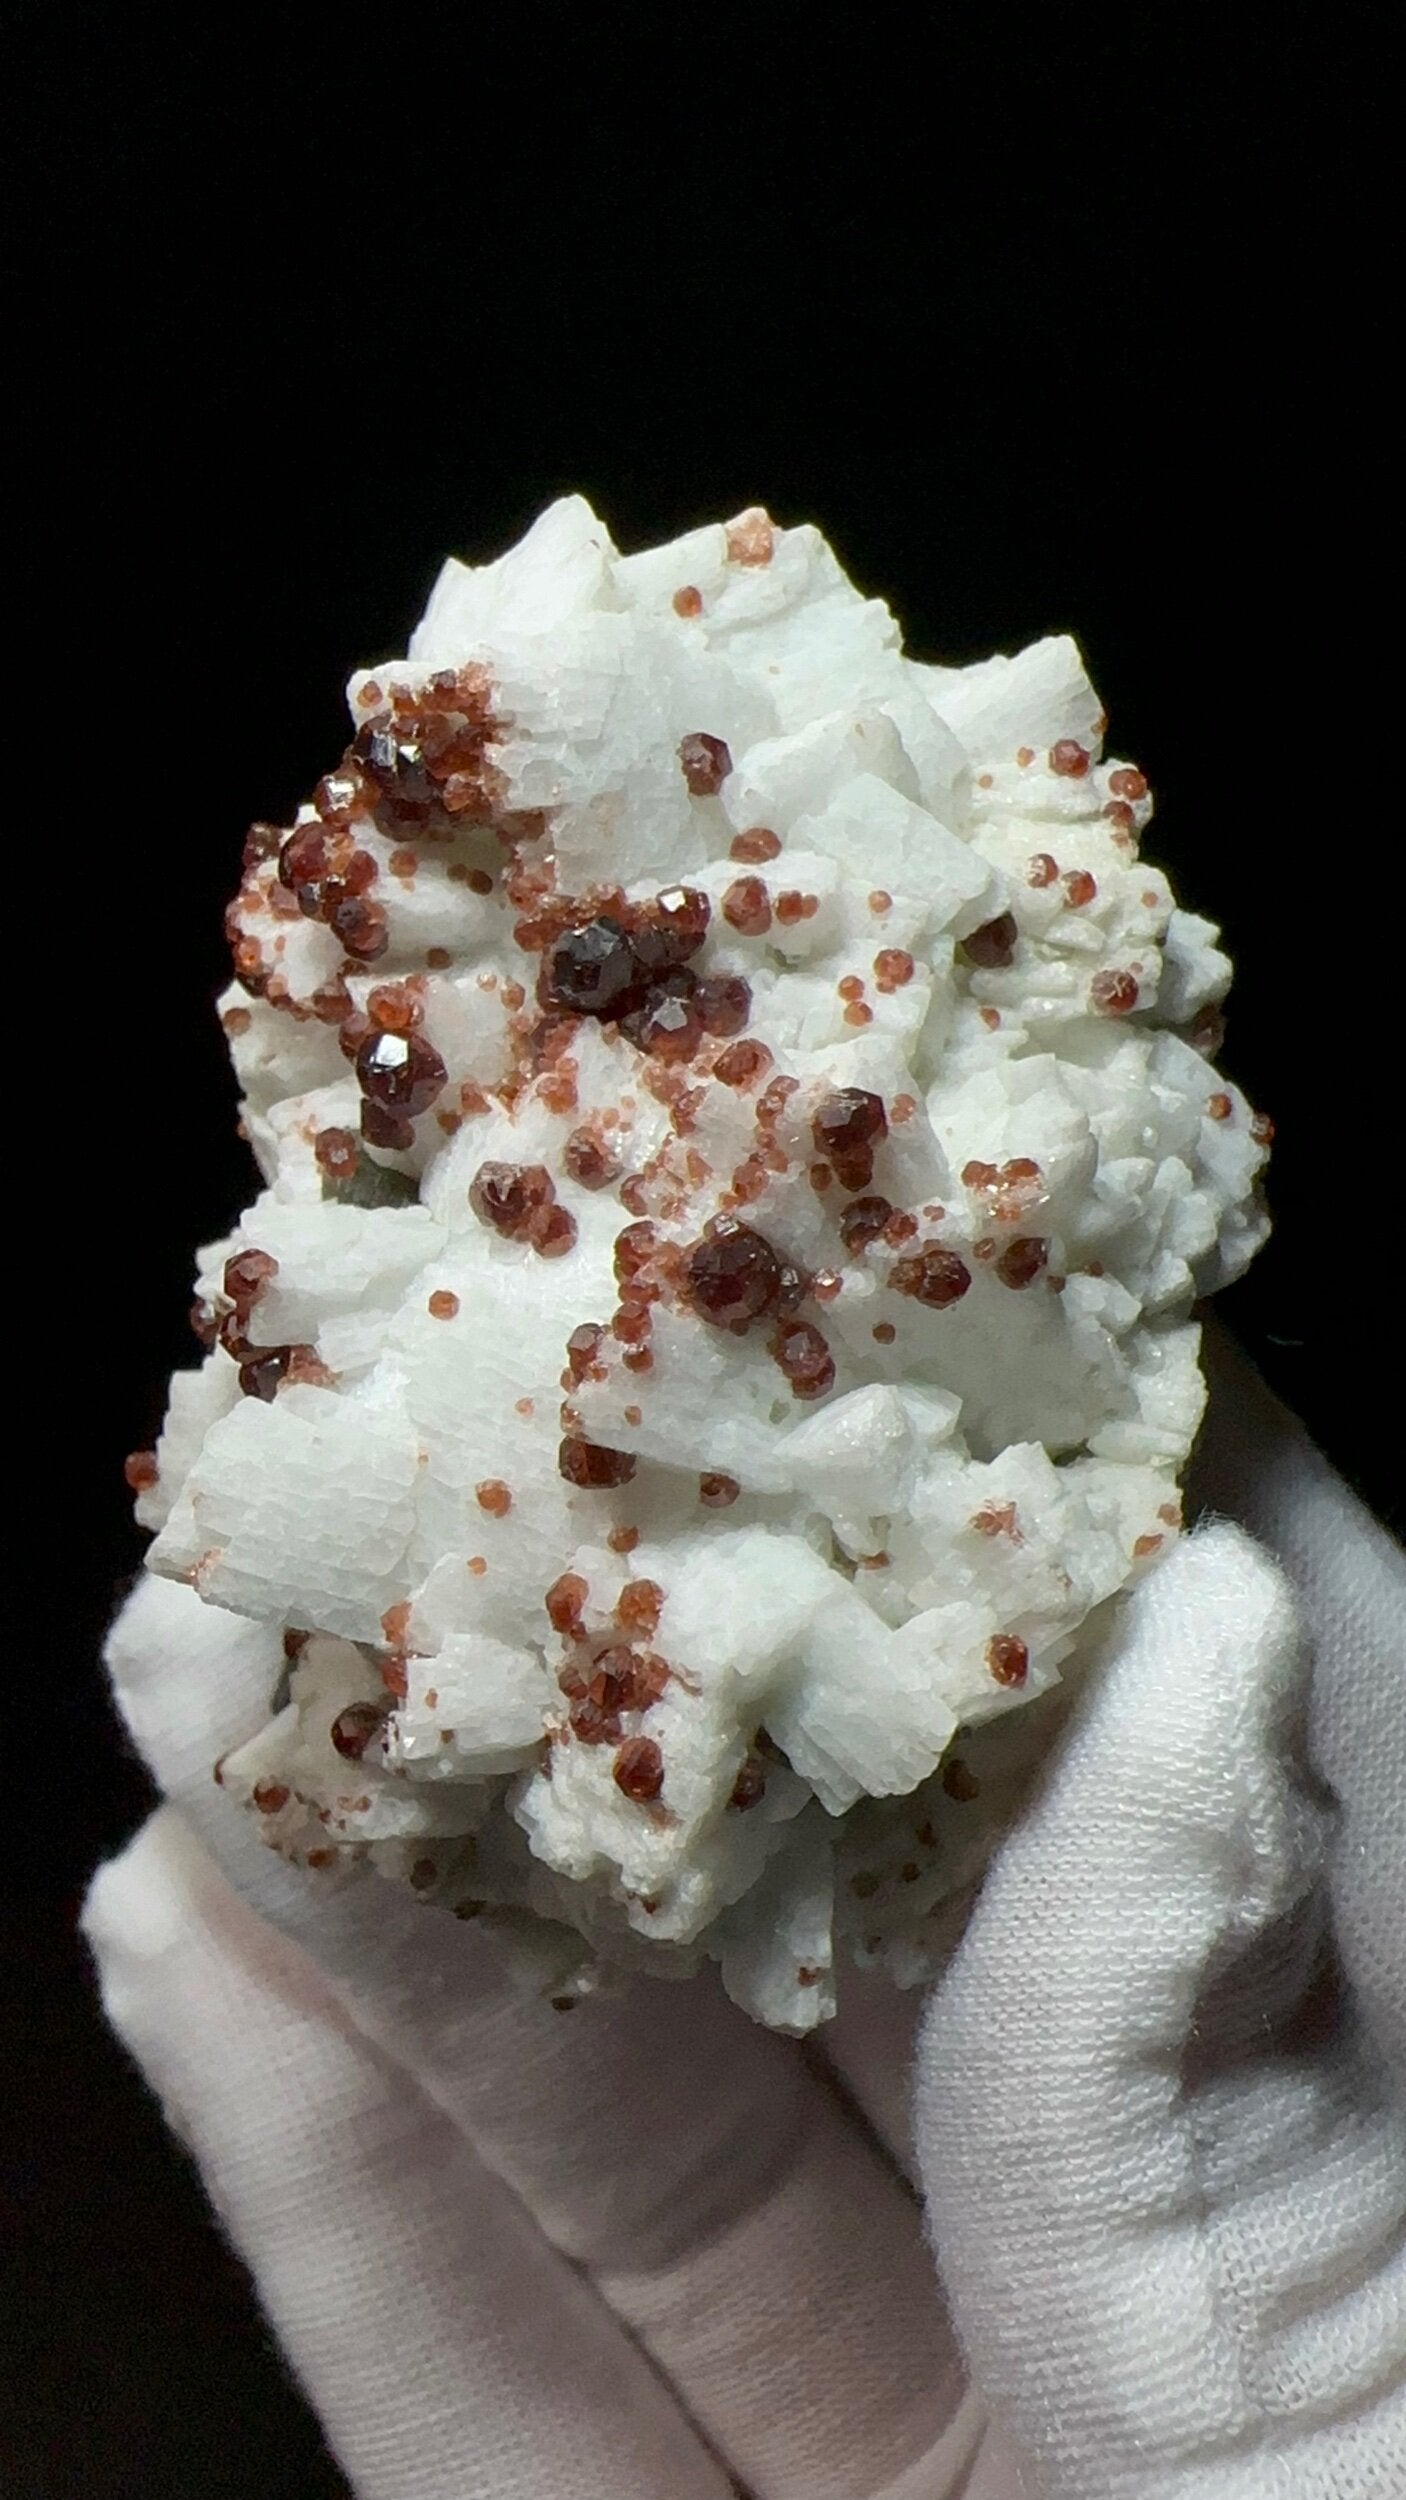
756,844
260,1377
751,538
141,1470
1069,759
723,1003
1145,1545
749,1787
362,930
1080,888
1262,1129
883,1332
718,1492
380,1127
992,946
639,1769
337,1152
1022,1261
353,1728
245,1276
506,1196
934,1276
742,1064
270,1796
592,1723
772,1102
551,1231
1127,783
443,1304
671,927
959,1783
587,1161
1041,869
564,1601
589,1465
1219,1107
746,907
846,1129
687,601
639,1606
705,763
400,1072
1007,1658
669,1025
802,1354
1113,993
733,1274
863,1221
394,1008
893,968
494,1497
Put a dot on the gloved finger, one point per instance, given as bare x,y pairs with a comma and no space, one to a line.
1257,1463
726,2204
449,2352
1170,2252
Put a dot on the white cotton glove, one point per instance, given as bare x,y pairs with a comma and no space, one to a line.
1161,2101
647,2252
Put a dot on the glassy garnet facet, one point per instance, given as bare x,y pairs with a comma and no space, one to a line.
733,1274
724,1002
353,1728
846,1129
671,927
669,1025
639,1769
805,1358
588,1464
934,1276
863,1221
507,1196
402,1072
594,970
706,763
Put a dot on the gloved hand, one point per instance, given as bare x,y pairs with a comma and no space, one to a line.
648,2252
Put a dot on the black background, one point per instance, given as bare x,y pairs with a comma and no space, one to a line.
1081,336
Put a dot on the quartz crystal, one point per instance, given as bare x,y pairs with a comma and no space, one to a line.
715,1336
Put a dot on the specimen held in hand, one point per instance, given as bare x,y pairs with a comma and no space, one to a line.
714,1339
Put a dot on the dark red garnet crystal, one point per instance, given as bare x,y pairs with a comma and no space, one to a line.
846,1129
734,1275
594,970
401,1072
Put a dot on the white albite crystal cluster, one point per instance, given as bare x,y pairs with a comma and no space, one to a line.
851,1568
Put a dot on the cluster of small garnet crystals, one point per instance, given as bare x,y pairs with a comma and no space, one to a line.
602,1683
519,1200
734,1276
417,766
630,965
261,1367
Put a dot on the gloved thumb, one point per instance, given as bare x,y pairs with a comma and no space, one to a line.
1166,2170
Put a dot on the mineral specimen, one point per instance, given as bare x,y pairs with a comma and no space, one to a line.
713,1342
